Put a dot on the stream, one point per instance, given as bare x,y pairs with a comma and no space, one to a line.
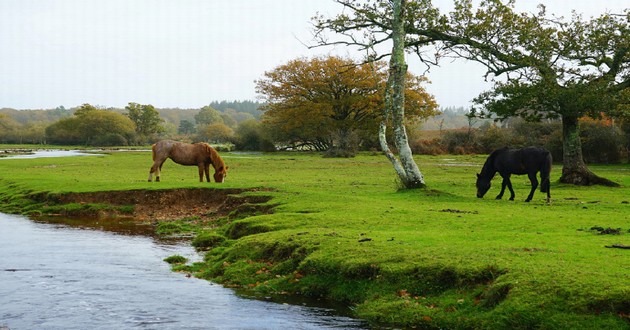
110,275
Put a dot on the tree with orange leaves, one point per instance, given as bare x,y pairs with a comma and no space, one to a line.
325,102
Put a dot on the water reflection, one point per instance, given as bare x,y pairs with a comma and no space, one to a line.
48,154
53,276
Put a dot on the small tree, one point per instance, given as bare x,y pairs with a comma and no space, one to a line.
217,132
146,118
186,127
207,115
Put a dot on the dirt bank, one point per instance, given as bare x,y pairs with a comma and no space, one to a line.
171,204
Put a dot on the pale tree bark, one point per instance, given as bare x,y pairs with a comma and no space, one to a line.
406,168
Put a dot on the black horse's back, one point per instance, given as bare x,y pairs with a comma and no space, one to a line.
507,161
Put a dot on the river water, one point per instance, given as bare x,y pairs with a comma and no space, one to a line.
60,276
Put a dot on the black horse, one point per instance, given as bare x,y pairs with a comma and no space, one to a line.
508,161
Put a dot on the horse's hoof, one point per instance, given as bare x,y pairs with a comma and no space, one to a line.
527,200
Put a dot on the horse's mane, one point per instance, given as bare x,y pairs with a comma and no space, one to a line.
217,161
488,167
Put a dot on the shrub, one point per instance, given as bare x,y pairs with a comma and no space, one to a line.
601,143
461,142
346,144
251,136
493,138
427,147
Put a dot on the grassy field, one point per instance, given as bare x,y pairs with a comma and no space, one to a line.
434,258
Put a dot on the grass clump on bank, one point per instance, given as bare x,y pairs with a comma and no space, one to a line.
438,258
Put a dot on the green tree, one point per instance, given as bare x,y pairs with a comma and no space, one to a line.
92,126
552,68
8,128
186,127
147,120
206,116
217,132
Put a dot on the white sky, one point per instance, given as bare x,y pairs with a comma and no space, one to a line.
183,53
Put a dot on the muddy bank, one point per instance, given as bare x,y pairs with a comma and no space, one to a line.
162,205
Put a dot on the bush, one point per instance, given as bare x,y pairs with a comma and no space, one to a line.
250,136
493,138
428,147
346,144
461,142
110,139
601,143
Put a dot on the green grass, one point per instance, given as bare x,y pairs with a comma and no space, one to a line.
438,257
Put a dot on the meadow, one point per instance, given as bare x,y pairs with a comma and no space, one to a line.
341,230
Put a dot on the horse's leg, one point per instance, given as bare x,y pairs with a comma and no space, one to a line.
159,171
534,181
206,170
154,169
200,166
506,183
548,188
509,185
545,186
151,173
503,184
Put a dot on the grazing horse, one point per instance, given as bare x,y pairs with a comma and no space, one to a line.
200,154
530,161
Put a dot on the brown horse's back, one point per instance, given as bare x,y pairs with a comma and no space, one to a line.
188,154
198,154
180,153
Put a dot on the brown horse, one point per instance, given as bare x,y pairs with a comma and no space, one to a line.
200,154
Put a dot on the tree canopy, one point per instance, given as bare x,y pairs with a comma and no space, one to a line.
92,126
542,66
146,118
318,102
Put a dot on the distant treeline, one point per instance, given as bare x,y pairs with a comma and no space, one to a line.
452,118
29,125
171,115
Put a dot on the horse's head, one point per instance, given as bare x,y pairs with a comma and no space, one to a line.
483,185
220,174
220,170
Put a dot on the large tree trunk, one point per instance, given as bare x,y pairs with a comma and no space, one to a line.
574,170
407,169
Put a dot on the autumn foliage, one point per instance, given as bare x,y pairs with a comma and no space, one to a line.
327,102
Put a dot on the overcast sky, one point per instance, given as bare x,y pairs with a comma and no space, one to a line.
184,53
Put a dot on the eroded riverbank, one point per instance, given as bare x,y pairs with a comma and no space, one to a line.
204,204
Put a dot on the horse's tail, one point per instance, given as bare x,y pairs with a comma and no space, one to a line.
545,173
153,147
